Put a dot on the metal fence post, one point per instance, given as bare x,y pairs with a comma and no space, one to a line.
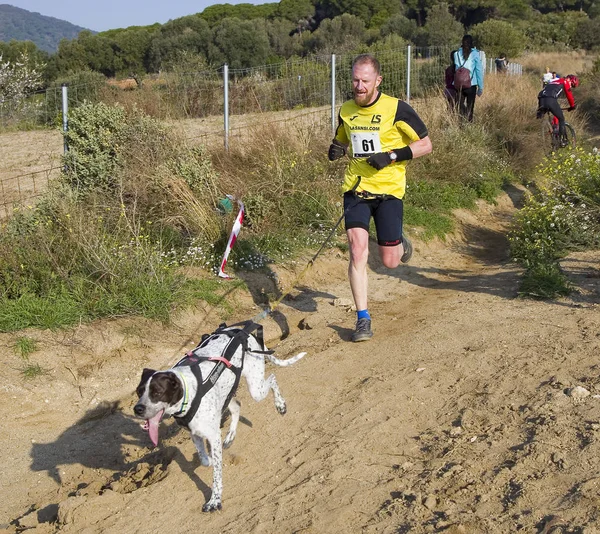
65,115
226,104
333,117
408,54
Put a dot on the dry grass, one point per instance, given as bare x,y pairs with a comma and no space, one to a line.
574,62
29,161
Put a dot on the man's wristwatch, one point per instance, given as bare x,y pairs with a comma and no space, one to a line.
393,155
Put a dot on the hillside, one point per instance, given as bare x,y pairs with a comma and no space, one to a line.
46,32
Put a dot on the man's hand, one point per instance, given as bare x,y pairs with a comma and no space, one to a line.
379,160
336,150
572,107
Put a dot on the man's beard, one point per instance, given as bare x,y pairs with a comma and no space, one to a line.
363,99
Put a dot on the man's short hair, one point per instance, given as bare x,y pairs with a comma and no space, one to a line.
367,59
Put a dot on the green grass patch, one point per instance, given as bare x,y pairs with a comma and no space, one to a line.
24,346
432,224
545,281
33,370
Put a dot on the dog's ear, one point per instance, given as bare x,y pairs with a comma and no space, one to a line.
146,374
165,387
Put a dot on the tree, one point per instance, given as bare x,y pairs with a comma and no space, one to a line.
400,25
131,49
418,9
240,43
441,26
498,36
588,34
339,35
17,80
216,13
285,40
296,11
191,35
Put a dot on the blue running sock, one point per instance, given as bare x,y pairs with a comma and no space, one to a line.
363,314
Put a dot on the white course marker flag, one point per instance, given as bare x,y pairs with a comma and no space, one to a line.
237,226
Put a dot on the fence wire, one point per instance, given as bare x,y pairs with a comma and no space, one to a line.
301,86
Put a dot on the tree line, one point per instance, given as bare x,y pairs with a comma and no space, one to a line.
247,35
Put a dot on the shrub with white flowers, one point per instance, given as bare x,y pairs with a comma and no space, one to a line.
564,214
18,80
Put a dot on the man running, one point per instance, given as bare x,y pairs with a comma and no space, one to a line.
548,101
381,134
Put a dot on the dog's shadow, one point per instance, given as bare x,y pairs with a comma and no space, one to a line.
102,439
95,441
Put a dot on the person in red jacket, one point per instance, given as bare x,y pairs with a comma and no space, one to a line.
548,100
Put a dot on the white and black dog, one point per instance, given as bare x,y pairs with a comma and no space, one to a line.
198,389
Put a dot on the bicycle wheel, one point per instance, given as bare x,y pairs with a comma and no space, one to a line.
570,136
548,135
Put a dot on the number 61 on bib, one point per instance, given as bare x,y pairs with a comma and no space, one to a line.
365,143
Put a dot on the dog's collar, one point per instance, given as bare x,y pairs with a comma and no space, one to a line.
186,397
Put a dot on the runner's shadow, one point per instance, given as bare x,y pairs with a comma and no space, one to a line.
488,247
263,286
305,300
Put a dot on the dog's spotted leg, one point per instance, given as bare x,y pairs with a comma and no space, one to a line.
259,391
279,400
234,408
216,448
199,442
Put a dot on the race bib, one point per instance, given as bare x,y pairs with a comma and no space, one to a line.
365,143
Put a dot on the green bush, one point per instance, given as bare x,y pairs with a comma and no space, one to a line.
82,87
499,37
95,136
561,216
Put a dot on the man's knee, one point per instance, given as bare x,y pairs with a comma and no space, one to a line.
391,263
390,256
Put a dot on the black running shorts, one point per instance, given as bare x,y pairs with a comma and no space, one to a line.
387,214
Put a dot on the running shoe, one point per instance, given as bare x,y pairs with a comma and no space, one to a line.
408,250
363,331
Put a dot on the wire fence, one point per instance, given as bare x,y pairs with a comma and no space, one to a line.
306,90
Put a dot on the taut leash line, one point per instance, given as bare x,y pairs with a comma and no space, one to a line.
264,313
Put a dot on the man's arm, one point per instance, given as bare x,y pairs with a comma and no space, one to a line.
416,149
422,147
339,144
569,95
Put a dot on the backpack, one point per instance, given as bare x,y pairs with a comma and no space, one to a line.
462,76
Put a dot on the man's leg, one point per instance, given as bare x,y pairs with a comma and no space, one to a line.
358,240
388,219
462,103
554,107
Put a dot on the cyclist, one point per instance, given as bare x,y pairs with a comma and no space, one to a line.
548,101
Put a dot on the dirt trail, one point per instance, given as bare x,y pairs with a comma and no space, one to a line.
461,415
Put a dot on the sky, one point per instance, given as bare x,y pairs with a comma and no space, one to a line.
101,15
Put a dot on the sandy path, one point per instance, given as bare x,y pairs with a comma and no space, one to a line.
458,416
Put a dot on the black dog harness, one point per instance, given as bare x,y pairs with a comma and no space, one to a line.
239,336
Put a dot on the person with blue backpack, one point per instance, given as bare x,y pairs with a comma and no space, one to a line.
468,76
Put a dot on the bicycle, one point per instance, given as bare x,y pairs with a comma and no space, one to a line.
552,137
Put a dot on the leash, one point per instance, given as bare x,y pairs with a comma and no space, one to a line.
270,309
264,313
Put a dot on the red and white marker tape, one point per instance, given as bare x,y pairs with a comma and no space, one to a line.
237,226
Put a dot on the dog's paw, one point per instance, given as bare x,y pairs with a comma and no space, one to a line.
281,408
228,440
205,461
212,506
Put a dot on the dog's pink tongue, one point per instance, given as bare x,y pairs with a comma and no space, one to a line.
152,427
